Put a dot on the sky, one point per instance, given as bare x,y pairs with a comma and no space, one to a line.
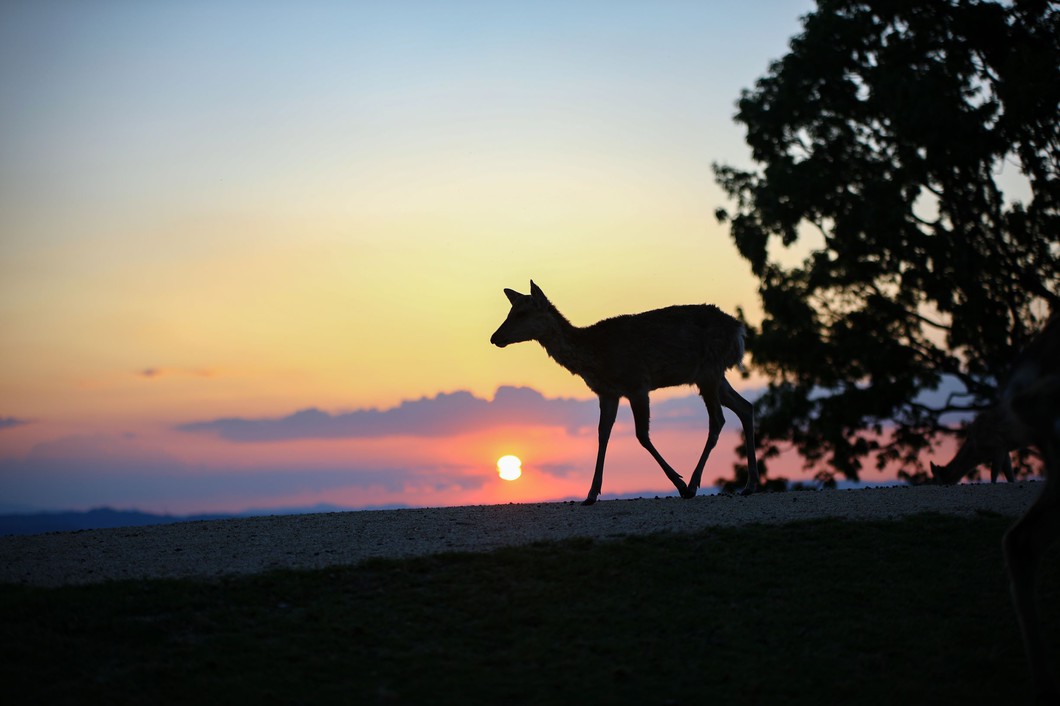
251,253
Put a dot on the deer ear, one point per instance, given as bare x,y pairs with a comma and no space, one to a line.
535,292
513,296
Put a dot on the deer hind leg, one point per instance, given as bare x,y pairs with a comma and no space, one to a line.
1024,546
608,412
641,417
745,412
716,397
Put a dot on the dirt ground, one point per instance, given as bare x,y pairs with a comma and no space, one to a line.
240,546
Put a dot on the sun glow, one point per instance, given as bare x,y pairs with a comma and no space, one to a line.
509,467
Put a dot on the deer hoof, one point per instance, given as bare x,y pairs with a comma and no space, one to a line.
748,490
588,501
689,493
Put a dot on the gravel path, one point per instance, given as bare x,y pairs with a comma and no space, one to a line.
244,546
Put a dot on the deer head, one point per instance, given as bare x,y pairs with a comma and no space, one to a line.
530,317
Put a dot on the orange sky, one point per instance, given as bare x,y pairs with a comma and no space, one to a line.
235,210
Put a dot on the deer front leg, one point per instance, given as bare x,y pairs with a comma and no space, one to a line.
641,419
608,412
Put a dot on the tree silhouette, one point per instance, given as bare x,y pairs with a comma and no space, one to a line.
883,143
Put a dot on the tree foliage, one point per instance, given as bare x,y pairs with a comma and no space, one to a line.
883,144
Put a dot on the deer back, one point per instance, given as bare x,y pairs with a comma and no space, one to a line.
677,345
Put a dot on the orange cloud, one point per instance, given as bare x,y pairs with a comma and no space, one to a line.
150,373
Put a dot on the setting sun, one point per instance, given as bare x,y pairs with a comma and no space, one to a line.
509,467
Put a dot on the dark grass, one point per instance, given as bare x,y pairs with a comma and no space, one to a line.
909,611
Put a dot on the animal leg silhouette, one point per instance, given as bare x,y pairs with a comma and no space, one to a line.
608,412
709,393
641,419
745,412
716,397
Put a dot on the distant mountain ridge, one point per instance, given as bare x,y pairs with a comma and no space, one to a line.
107,517
96,518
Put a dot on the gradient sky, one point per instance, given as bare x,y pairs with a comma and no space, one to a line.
243,210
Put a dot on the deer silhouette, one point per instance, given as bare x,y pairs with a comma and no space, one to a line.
991,436
1031,402
633,354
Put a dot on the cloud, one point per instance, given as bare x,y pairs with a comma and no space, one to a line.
560,470
442,415
449,414
152,373
95,470
11,422
95,454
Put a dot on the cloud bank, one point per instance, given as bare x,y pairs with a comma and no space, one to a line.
442,415
445,414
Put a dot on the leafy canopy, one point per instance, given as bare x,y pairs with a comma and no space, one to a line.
881,144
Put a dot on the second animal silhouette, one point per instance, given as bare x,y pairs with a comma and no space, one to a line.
631,355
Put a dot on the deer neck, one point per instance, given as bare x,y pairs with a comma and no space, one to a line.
968,456
561,342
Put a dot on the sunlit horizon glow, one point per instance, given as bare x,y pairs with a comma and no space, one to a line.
241,211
